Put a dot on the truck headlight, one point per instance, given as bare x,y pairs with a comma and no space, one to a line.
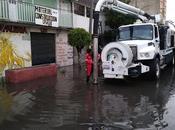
145,54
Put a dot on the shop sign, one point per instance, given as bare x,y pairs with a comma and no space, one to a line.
46,16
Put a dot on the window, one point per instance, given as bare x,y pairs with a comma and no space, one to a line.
141,32
79,9
88,12
124,33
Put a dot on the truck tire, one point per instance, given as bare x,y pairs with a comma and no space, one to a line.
121,48
154,69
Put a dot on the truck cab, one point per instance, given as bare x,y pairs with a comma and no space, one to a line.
143,37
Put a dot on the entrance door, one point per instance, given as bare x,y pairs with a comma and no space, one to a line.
43,48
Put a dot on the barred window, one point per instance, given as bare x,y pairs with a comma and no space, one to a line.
79,9
88,12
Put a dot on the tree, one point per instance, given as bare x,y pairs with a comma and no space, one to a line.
114,20
79,38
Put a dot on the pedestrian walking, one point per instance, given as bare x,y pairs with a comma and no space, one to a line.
89,64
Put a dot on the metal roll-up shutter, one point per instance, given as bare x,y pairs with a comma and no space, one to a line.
43,48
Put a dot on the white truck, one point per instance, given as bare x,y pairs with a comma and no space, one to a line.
140,48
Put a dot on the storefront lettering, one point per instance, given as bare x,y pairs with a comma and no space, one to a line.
11,28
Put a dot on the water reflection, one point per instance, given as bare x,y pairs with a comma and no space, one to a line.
5,104
19,99
137,103
68,103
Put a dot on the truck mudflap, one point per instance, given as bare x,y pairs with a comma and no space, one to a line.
118,72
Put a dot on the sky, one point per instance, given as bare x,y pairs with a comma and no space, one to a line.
170,10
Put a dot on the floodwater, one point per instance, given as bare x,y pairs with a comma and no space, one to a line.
66,102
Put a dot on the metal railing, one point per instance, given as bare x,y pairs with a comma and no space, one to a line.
26,12
4,9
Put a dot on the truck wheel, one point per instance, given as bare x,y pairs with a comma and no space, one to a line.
155,69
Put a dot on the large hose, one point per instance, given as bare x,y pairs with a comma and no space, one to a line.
122,51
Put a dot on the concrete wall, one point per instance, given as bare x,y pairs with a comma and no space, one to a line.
15,51
47,3
151,6
80,22
64,52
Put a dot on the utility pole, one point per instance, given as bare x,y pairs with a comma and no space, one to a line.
91,16
95,47
95,43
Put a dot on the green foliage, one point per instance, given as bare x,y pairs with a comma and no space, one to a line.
126,1
110,36
106,37
79,38
115,19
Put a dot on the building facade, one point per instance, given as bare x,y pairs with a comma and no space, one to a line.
35,32
151,6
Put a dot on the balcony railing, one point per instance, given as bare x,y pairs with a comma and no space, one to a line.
65,18
4,9
17,11
26,12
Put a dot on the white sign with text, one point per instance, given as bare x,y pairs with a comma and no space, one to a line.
46,16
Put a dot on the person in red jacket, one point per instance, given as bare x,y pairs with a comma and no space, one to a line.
89,63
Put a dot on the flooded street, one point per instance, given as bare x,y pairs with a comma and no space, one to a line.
68,103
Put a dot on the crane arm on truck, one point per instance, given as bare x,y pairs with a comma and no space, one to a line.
124,8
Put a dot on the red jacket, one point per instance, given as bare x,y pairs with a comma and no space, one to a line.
89,63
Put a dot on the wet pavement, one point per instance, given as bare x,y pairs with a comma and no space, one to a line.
66,102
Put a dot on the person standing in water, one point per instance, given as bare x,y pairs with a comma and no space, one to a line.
89,63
